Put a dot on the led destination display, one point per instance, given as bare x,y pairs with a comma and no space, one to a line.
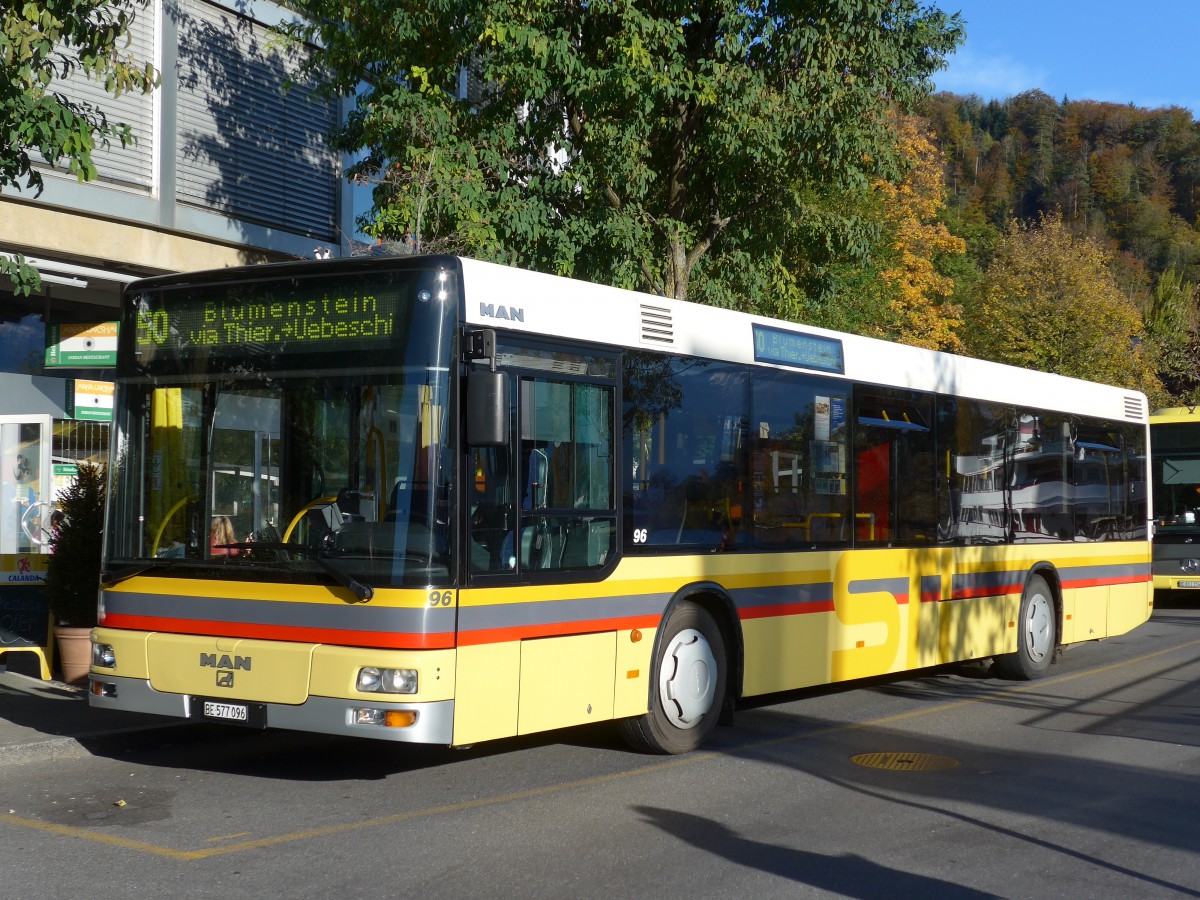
292,321
795,348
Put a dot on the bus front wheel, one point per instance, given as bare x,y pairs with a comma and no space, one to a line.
689,685
1037,634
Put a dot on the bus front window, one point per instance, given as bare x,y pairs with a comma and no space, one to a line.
300,463
1176,477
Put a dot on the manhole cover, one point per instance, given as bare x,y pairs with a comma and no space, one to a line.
905,762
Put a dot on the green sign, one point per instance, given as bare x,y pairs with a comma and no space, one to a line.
90,401
81,346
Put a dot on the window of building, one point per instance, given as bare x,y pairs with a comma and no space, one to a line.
251,133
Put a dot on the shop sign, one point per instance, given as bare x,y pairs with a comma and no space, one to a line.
90,400
81,346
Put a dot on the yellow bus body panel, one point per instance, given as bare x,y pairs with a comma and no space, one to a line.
1091,612
237,668
335,672
566,681
129,648
488,679
631,695
973,629
1129,605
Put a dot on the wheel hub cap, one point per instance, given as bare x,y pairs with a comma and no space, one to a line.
687,681
1038,627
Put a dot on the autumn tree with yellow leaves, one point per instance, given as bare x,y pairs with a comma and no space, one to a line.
921,306
1049,301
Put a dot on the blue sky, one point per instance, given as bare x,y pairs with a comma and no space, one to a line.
1142,53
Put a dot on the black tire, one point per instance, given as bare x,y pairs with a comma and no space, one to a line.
1037,634
688,685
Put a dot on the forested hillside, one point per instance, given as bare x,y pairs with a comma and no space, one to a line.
1107,197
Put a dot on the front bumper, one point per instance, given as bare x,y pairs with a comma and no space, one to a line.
327,715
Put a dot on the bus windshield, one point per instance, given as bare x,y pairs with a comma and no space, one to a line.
288,429
1176,457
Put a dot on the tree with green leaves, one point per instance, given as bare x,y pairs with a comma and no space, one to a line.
689,149
1049,301
1172,325
42,43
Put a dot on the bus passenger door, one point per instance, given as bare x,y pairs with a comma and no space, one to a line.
541,519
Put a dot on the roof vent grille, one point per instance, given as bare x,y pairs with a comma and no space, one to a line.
1135,409
658,327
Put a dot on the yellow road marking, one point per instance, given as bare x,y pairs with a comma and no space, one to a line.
345,827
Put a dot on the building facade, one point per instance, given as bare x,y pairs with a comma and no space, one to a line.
229,166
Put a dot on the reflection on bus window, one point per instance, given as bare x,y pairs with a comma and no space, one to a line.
685,452
550,505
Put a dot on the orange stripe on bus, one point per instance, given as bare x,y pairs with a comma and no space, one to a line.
784,609
993,591
1102,582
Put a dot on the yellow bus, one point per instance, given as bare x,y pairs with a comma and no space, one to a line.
1175,456
436,500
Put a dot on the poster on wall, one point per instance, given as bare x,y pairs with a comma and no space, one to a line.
24,613
81,346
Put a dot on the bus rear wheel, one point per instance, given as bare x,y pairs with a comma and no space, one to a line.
688,688
1037,634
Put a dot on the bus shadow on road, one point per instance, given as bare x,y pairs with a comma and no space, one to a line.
1051,803
847,874
301,756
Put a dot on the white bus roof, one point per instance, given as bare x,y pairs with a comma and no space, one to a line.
534,303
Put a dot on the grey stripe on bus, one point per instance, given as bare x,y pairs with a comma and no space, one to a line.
427,620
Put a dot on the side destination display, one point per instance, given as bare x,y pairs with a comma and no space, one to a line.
795,348
269,318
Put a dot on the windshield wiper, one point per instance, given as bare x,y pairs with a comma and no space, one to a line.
108,579
364,592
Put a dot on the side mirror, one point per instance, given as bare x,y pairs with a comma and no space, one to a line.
487,408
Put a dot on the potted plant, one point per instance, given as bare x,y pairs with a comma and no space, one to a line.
73,571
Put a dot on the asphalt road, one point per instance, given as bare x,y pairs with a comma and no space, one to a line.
949,783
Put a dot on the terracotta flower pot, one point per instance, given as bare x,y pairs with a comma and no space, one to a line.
74,652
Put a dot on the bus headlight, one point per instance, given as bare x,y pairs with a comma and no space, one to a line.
103,656
373,680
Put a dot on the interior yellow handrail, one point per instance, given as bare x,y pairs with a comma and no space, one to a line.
167,518
320,501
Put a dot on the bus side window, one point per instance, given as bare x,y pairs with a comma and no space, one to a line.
686,453
894,475
798,461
